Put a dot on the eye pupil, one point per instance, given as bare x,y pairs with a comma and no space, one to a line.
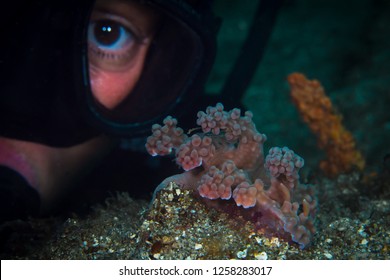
107,32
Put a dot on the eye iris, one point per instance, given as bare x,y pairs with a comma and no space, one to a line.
107,32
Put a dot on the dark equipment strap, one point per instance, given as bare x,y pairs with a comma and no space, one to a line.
251,52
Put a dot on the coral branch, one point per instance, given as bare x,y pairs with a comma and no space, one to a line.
218,183
317,111
165,138
283,163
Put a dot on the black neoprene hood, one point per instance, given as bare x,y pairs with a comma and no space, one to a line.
45,93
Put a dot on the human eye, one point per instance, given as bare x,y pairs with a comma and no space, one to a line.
112,42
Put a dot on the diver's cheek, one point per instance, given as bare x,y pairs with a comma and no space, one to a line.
110,88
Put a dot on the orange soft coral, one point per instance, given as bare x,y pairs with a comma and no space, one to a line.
317,111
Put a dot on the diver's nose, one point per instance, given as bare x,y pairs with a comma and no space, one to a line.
18,199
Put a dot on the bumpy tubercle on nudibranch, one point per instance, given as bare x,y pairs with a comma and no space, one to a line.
226,160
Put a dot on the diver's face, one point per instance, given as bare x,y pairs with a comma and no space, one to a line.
119,36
